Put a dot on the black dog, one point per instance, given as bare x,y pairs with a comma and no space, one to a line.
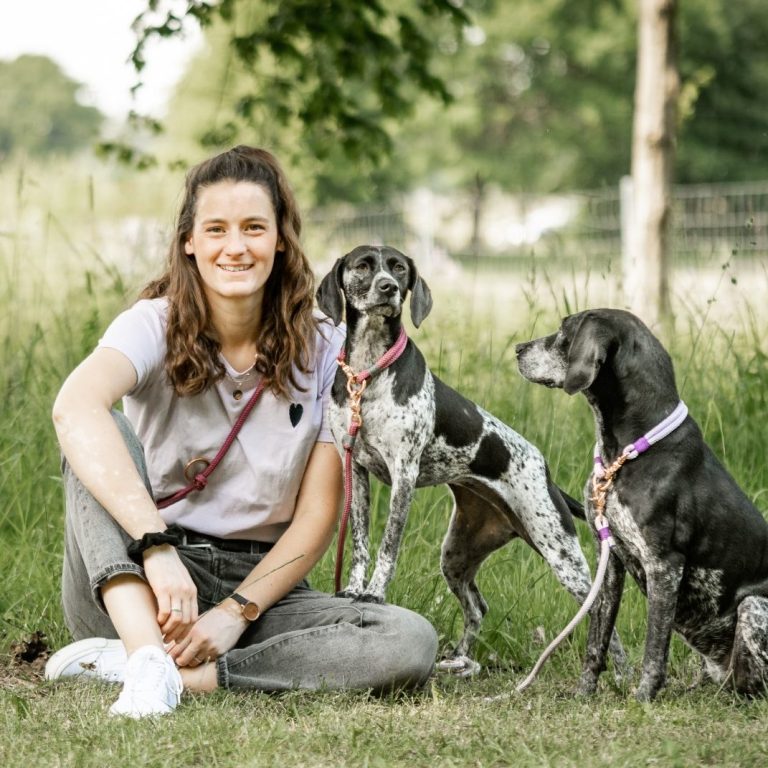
417,432
692,540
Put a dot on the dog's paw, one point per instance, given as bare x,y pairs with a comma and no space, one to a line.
459,666
586,687
370,597
350,593
646,692
623,674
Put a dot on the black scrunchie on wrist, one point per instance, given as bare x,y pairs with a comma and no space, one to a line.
173,534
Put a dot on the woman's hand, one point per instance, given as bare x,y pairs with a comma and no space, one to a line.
174,591
212,635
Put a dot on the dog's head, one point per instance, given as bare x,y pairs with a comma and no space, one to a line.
374,280
586,343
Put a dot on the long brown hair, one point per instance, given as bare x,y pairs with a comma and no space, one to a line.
287,333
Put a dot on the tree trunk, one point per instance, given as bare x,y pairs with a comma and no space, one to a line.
478,203
653,155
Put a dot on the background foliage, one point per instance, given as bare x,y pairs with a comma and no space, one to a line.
541,96
364,100
39,111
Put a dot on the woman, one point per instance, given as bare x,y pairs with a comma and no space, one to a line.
214,591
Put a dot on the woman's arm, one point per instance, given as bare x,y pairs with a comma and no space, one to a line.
95,450
287,563
308,535
92,444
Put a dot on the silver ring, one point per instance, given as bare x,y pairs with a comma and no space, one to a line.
176,610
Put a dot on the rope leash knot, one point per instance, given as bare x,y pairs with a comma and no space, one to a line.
355,389
602,484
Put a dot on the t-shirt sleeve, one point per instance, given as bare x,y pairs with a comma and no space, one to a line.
333,340
139,333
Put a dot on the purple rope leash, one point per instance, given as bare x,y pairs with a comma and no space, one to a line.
642,444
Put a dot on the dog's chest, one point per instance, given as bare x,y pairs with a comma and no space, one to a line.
631,546
390,430
698,615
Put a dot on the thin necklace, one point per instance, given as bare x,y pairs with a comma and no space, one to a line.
241,379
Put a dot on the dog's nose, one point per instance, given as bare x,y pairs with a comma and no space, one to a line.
520,348
386,285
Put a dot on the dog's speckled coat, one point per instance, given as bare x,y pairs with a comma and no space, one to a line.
418,432
695,544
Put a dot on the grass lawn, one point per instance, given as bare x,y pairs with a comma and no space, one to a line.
53,314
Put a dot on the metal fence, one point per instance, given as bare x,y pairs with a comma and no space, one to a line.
717,217
709,222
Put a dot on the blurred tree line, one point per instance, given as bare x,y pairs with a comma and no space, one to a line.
363,100
539,98
39,111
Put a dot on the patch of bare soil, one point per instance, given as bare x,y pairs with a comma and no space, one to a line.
21,669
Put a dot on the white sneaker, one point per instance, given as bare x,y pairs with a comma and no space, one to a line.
94,657
152,685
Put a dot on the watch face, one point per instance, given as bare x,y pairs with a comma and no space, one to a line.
251,611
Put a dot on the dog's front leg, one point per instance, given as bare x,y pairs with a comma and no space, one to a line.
403,484
360,518
663,585
602,619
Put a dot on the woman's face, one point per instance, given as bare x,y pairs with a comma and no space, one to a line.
234,238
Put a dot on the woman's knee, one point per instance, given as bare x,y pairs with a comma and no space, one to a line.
132,443
413,647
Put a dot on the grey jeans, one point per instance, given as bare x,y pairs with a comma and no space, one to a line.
308,640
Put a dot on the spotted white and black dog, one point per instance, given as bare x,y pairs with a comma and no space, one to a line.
419,432
695,544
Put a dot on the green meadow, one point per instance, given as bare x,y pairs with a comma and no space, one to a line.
76,243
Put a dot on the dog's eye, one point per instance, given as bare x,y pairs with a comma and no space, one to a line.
399,268
362,266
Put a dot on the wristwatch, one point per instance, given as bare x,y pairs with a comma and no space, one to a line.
250,610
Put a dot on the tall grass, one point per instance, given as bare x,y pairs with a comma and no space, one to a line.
69,262
67,266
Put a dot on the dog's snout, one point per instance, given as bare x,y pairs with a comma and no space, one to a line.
386,285
521,347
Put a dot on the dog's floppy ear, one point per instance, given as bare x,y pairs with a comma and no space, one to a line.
330,298
421,296
586,354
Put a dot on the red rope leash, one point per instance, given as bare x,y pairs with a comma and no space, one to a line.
356,384
200,480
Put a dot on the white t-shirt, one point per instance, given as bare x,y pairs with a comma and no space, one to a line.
252,493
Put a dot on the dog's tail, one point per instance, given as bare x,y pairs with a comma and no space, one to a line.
567,505
576,508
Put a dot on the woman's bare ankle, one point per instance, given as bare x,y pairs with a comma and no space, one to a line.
200,679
